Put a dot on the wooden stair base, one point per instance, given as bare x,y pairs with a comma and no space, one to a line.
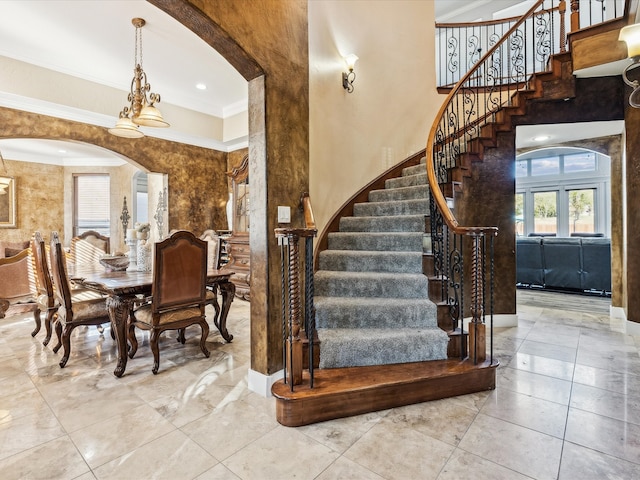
343,392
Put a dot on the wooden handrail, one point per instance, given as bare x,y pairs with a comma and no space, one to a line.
307,209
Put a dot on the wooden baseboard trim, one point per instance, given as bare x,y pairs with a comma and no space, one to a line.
343,392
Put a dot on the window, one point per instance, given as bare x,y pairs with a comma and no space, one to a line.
141,205
581,211
545,166
91,204
519,214
563,191
545,212
580,162
522,167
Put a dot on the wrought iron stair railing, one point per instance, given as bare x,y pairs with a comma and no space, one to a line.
470,109
459,46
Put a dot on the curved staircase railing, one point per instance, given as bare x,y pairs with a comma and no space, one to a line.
459,45
469,116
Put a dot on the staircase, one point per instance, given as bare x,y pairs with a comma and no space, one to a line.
372,305
377,323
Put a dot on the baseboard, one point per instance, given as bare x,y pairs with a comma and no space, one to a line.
502,320
618,316
261,384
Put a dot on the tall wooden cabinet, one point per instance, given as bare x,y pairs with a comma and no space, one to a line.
237,244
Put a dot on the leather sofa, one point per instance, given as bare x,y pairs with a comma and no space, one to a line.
576,263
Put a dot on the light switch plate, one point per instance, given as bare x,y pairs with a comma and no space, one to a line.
284,214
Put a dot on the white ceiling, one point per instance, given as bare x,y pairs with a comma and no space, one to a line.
94,40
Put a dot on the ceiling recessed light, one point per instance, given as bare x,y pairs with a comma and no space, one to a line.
201,86
62,151
541,138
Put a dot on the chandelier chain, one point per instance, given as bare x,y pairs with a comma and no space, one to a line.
138,47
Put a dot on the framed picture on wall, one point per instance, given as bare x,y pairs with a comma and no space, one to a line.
7,202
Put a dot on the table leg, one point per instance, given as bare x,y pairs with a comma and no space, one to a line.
119,314
228,291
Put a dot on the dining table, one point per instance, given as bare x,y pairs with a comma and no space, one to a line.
124,288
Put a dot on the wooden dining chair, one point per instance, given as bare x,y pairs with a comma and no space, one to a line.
178,293
213,263
44,285
71,314
88,247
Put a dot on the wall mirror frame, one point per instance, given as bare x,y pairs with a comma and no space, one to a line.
8,202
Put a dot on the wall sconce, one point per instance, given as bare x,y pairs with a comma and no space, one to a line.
349,77
631,35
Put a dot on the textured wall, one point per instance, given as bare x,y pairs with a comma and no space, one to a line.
488,200
196,179
39,199
631,276
266,41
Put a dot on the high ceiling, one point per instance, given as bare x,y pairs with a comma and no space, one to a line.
473,10
94,40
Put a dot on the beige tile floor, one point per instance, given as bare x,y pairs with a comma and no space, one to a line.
567,406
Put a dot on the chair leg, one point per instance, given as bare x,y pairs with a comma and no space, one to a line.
66,342
47,325
203,337
59,335
181,337
133,341
113,334
4,306
153,341
36,317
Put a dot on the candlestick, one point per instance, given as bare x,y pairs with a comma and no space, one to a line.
133,259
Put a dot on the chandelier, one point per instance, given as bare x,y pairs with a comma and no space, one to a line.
141,110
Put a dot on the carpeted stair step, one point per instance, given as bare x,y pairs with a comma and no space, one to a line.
378,241
370,346
401,193
415,170
370,261
370,284
388,223
367,312
407,181
398,207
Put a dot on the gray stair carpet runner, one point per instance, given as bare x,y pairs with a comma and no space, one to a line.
371,298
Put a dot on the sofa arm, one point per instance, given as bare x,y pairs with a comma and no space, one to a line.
16,280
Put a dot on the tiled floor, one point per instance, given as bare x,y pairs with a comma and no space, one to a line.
567,406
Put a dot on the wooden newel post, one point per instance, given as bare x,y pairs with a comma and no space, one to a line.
294,343
575,15
477,331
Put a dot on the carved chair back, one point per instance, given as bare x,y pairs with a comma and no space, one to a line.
89,247
43,276
180,272
59,274
213,250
